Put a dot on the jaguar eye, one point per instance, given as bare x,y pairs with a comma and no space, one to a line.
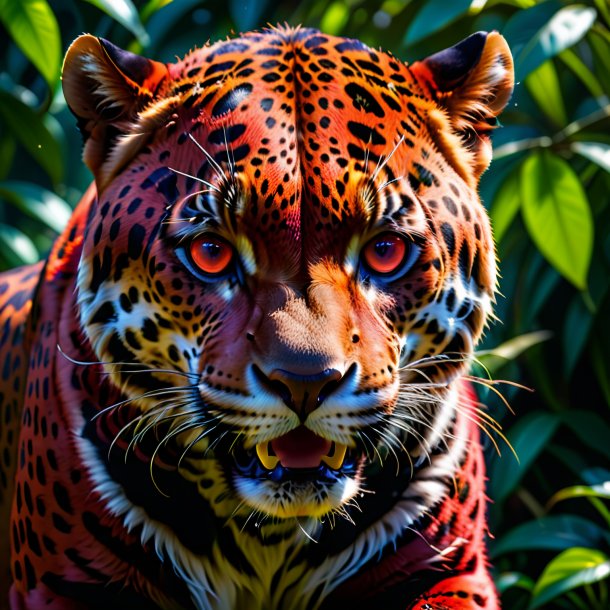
211,254
385,254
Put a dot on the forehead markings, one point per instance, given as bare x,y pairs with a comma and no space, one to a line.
311,52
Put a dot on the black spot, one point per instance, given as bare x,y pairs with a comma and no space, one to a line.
101,269
391,102
365,133
363,100
135,241
449,237
369,66
221,67
351,45
134,205
450,205
150,330
231,100
228,134
30,574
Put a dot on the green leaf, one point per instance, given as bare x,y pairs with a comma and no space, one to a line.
151,7
511,349
591,429
335,18
600,355
543,31
249,14
556,532
434,16
581,491
33,27
594,151
599,41
580,69
125,13
508,580
29,129
576,328
7,154
528,438
572,568
505,205
543,86
37,202
17,248
557,215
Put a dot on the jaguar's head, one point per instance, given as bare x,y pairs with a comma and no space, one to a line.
288,262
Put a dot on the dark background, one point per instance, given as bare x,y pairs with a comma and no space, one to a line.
548,193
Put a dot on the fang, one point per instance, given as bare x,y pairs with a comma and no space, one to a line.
267,460
336,456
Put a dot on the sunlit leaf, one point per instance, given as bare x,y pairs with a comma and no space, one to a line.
528,438
513,348
581,491
33,27
433,16
544,87
125,13
572,568
541,32
37,202
17,248
557,215
554,532
29,129
594,151
151,7
335,17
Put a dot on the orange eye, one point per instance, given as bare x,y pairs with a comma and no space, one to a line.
212,255
385,253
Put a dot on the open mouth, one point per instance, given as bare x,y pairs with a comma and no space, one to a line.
299,454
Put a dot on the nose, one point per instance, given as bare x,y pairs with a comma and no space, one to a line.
302,393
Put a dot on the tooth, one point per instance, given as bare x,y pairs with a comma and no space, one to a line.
336,456
267,460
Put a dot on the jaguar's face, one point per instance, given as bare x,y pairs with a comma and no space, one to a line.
288,258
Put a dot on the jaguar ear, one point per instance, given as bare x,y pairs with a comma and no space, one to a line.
105,88
473,82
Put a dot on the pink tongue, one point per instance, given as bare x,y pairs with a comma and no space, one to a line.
300,448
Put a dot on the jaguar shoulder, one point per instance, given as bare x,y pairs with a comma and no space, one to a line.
237,380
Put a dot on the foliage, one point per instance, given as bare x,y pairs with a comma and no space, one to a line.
547,194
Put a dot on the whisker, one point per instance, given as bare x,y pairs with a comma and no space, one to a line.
387,159
209,157
149,394
201,180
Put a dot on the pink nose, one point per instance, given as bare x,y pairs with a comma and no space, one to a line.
301,393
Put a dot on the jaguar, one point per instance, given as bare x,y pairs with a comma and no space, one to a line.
240,378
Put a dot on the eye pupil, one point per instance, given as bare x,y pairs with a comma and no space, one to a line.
385,254
211,254
382,248
212,250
